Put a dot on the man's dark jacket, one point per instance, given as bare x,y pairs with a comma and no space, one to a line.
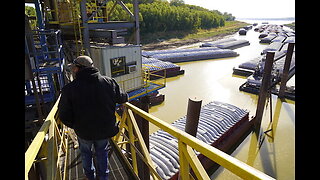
88,103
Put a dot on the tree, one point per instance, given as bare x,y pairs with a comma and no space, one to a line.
176,2
228,16
31,12
162,16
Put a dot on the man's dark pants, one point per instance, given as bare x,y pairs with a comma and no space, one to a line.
101,153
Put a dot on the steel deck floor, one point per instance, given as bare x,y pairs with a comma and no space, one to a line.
75,170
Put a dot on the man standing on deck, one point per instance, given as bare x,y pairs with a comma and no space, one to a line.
87,105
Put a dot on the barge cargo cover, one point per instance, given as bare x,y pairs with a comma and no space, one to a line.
218,123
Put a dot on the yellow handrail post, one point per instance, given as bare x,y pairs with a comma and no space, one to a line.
66,157
184,165
121,125
133,151
195,164
35,146
51,153
141,142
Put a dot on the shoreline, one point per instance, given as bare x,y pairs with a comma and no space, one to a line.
170,45
177,42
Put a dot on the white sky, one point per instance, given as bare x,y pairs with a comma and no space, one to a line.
250,8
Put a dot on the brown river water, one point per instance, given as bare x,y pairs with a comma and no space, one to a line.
212,80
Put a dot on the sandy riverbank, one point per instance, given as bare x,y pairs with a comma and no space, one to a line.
174,43
169,44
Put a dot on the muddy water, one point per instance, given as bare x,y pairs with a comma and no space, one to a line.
211,80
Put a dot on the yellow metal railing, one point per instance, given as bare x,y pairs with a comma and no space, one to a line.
59,11
130,134
186,144
149,74
50,144
49,147
146,81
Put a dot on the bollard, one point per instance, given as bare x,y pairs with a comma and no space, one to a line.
285,73
193,113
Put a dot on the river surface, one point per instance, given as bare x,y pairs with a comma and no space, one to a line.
212,80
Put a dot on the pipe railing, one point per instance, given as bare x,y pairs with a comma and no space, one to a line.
50,144
48,147
186,144
145,76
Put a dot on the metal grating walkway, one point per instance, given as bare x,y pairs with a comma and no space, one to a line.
75,170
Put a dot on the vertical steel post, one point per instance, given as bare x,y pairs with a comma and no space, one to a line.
193,113
284,77
36,95
263,91
41,25
136,21
84,16
39,14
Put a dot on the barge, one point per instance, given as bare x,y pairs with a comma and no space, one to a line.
268,38
278,40
250,88
217,42
247,68
253,83
230,43
168,51
209,50
192,54
196,55
221,125
160,68
242,31
233,44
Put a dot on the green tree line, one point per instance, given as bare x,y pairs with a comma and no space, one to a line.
160,16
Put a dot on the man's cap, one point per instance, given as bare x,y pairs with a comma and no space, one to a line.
85,61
